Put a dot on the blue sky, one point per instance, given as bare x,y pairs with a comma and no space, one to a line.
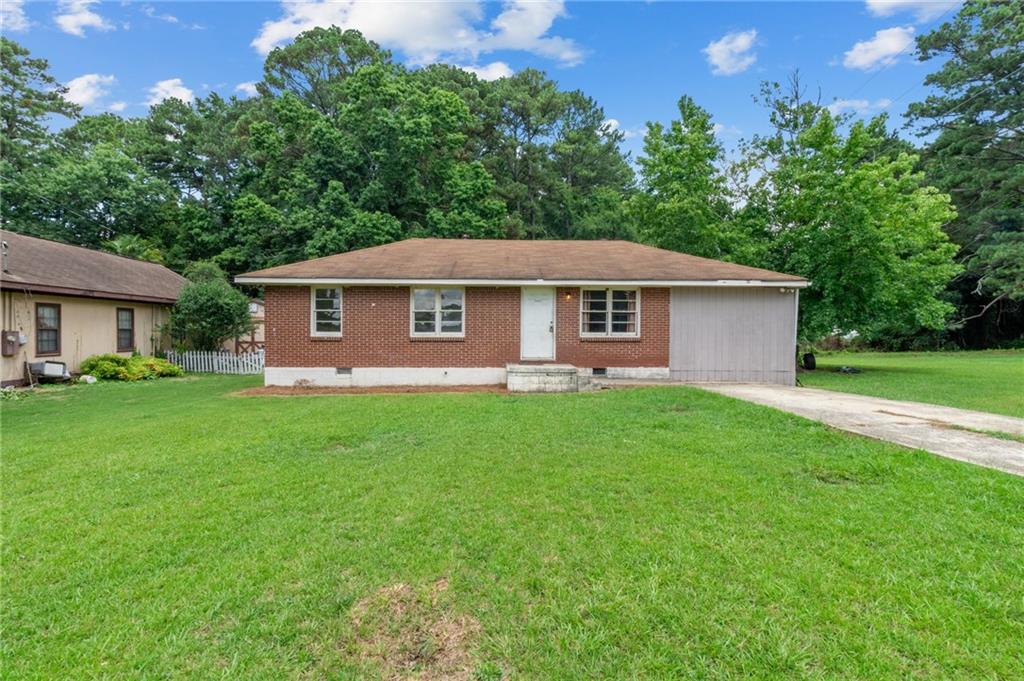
635,59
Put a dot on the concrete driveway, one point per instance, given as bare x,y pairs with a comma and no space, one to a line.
940,430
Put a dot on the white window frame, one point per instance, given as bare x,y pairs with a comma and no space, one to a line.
436,333
312,313
609,333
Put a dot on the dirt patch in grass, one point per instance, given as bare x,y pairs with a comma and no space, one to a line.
291,391
849,473
411,635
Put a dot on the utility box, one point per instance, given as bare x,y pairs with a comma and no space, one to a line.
9,343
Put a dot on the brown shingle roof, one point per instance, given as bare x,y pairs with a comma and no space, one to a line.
485,260
51,267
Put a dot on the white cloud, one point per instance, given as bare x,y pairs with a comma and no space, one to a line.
924,10
172,88
612,124
522,25
118,106
721,130
732,53
840,105
882,50
12,16
859,106
492,71
428,32
74,16
88,88
151,12
247,88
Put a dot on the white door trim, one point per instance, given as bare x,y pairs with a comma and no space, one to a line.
522,322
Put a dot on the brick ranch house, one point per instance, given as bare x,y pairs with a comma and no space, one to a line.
460,311
63,303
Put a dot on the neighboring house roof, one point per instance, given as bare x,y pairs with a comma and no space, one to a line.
43,266
478,261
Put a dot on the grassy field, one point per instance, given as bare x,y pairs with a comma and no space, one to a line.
992,380
171,529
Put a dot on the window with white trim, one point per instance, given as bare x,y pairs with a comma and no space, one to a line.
437,311
610,312
325,311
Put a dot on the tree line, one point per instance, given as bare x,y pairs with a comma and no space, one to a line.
343,148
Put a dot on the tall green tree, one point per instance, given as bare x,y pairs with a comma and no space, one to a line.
683,203
976,115
554,161
134,246
527,107
196,150
588,167
94,186
315,66
854,216
29,96
391,160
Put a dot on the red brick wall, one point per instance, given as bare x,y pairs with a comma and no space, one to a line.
375,324
375,328
649,350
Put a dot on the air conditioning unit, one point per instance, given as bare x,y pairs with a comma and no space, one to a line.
49,369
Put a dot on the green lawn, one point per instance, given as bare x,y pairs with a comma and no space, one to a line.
991,380
170,529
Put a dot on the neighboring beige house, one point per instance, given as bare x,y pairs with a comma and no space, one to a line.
65,303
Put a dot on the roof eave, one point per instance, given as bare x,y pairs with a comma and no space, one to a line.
8,285
363,281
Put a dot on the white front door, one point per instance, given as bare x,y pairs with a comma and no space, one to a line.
538,323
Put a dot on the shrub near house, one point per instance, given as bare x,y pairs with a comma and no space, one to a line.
134,368
209,311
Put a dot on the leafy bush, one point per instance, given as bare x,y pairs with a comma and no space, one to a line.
203,270
11,393
209,311
135,368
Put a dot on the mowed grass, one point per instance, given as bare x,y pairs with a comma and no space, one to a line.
990,380
171,529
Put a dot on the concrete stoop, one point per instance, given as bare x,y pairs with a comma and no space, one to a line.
543,378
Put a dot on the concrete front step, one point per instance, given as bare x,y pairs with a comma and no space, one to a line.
542,378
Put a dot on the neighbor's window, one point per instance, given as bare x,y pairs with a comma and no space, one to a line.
610,312
326,311
47,329
437,311
125,329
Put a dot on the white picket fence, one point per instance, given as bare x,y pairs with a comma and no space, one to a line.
218,362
